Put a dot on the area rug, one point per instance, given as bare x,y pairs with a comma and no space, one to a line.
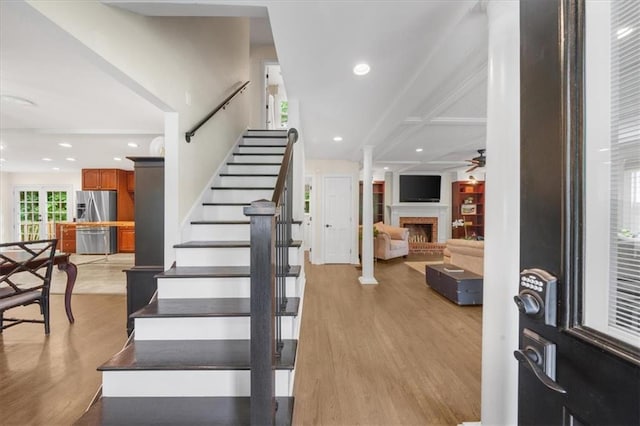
420,266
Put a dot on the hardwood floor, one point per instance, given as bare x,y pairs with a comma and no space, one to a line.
51,380
392,354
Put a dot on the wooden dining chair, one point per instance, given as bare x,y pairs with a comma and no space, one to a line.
26,268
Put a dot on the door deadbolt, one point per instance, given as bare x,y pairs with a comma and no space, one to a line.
528,304
537,295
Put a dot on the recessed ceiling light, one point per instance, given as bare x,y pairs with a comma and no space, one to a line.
117,158
386,168
17,100
132,144
2,160
46,159
338,139
603,149
623,32
70,159
418,149
361,69
1,147
57,169
65,144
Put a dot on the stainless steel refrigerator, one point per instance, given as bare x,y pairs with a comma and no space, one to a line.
96,206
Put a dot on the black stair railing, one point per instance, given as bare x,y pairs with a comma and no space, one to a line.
222,105
270,240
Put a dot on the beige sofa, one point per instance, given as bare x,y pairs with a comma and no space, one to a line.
392,241
467,254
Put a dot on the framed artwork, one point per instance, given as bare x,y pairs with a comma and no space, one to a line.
468,209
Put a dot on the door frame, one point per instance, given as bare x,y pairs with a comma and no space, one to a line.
323,219
308,245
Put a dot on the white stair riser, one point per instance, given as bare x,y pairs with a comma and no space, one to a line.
273,169
205,328
248,149
203,288
263,132
228,232
219,232
223,213
265,141
240,195
222,256
181,383
257,158
248,181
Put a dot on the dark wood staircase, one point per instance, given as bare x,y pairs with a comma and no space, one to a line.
190,360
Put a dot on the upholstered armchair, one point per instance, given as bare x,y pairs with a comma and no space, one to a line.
392,241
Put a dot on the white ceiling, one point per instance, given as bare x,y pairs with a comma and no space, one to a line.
426,88
75,101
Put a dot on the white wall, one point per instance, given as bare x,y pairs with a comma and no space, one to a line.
318,169
6,200
259,56
182,64
9,181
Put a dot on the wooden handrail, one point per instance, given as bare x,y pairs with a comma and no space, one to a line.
292,137
223,105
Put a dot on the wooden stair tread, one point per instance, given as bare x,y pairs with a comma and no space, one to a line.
224,244
232,222
184,411
226,204
258,153
231,163
216,272
193,355
249,175
242,145
244,188
275,136
209,307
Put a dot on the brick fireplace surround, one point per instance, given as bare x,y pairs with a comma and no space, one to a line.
432,246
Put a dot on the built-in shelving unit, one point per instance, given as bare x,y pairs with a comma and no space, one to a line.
378,201
467,203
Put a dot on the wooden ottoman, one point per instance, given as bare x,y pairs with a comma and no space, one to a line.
454,283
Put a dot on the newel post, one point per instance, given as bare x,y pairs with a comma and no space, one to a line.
263,310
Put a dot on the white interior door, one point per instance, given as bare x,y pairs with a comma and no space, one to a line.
338,219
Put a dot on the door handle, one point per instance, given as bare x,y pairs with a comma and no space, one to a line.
327,226
530,358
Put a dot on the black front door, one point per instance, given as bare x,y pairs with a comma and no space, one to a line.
579,293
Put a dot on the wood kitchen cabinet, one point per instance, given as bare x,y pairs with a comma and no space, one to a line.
100,179
131,181
66,238
126,240
112,180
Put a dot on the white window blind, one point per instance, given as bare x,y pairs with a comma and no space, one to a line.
624,290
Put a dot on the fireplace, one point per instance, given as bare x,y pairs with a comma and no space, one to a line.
423,233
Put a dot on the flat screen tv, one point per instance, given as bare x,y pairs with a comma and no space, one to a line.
420,188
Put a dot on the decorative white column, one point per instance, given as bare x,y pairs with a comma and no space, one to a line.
502,201
367,219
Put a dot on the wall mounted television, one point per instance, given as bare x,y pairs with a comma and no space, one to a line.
420,188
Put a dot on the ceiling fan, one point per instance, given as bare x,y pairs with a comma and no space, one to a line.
478,161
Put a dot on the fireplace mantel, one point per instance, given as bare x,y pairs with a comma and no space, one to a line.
441,211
